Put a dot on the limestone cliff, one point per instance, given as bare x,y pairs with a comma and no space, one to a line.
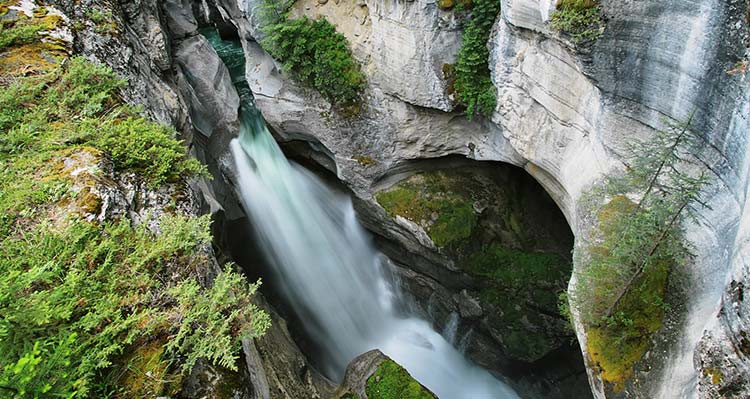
564,114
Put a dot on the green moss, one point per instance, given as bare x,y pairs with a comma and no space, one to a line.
617,345
514,279
619,342
445,4
515,268
447,215
364,160
717,377
391,381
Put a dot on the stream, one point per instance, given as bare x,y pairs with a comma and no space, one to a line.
330,273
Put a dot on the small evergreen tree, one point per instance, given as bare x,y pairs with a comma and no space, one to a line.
638,242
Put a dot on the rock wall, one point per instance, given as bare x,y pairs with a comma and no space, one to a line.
564,114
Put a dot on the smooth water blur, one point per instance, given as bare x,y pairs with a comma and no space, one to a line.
328,270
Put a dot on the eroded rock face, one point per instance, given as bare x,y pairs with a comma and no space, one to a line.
564,114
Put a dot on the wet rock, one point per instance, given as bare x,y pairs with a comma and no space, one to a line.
205,82
468,306
180,18
373,371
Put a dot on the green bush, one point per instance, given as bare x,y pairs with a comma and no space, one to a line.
473,85
147,149
76,296
78,104
581,19
19,35
315,53
73,300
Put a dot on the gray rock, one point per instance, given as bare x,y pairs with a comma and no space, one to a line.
205,83
180,18
468,306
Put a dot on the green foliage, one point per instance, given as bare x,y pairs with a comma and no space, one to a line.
529,278
448,218
581,19
19,35
223,313
515,268
473,85
636,246
146,148
99,284
78,104
315,53
391,381
75,296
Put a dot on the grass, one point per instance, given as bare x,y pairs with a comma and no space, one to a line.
579,19
391,381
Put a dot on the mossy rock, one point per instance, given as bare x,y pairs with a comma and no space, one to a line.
391,381
436,204
617,344
490,224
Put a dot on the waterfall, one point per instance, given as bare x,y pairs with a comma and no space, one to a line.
329,272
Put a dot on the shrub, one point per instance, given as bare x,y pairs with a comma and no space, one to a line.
473,85
147,149
581,19
19,35
75,296
75,299
315,53
79,104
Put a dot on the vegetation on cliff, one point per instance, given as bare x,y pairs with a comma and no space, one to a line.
579,19
494,229
637,244
314,52
472,82
79,298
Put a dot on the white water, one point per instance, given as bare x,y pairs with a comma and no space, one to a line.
331,274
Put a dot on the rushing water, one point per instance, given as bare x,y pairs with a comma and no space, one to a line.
328,270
